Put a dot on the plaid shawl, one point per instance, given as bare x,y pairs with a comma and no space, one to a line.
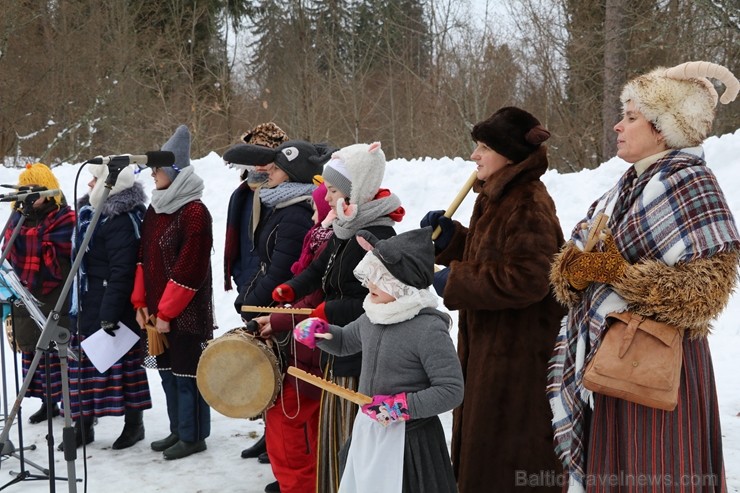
673,212
40,245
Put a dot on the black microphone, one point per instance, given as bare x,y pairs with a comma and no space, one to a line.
25,188
29,195
152,159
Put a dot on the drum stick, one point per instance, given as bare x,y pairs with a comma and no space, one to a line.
276,309
350,395
594,234
457,201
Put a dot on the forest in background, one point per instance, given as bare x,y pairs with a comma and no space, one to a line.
81,77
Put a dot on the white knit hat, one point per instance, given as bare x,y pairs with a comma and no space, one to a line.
362,166
680,101
100,171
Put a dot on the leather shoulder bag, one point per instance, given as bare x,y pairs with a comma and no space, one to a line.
639,360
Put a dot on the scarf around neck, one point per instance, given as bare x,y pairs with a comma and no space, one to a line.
37,252
401,309
285,194
185,188
673,212
373,213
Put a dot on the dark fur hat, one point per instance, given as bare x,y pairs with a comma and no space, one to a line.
512,132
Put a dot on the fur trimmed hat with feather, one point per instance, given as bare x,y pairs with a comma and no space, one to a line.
680,101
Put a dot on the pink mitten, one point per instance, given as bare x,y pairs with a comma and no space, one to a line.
386,409
305,332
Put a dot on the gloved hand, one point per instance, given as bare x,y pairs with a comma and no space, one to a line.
440,280
283,294
582,268
320,312
109,327
306,330
252,327
437,218
386,409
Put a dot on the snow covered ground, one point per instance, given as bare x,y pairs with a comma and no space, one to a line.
422,184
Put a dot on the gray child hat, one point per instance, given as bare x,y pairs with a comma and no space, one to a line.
409,256
179,145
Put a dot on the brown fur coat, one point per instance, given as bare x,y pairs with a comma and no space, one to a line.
508,321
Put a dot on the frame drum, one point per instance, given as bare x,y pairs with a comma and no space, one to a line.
239,375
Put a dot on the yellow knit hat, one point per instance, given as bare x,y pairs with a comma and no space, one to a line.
41,175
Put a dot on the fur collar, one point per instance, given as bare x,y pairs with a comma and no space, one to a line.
121,202
530,169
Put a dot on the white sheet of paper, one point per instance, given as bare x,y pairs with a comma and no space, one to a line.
104,350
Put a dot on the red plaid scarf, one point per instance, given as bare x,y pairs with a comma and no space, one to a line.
45,239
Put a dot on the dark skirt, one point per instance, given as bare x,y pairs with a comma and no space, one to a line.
426,460
631,446
37,386
123,386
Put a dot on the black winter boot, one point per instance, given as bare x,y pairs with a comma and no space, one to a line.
41,415
255,450
165,443
133,430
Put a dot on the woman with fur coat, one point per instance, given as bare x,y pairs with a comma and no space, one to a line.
497,277
671,254
104,283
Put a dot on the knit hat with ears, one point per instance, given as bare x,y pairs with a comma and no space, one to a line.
40,174
299,159
124,181
357,171
179,145
409,256
680,101
512,132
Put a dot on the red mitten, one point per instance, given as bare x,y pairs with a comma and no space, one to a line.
305,332
320,312
283,294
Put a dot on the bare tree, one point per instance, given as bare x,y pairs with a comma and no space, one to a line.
615,70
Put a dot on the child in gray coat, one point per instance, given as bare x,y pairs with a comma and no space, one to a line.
409,367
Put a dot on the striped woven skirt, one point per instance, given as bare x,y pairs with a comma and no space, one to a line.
634,448
336,419
37,386
123,386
